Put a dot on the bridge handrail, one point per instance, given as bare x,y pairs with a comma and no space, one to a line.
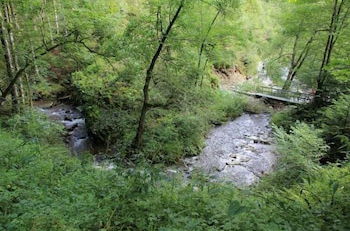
299,96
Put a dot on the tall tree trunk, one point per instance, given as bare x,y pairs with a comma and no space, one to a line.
36,68
290,77
149,74
45,19
202,74
12,23
56,17
291,72
4,37
29,90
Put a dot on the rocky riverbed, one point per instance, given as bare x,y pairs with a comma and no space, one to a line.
240,152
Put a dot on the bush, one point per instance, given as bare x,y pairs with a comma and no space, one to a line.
299,153
257,106
35,126
320,202
43,188
173,134
172,131
172,137
224,107
335,123
284,118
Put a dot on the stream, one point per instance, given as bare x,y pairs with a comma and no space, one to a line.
239,152
74,122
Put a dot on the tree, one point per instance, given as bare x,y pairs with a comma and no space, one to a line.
8,46
149,74
338,22
298,59
295,40
221,8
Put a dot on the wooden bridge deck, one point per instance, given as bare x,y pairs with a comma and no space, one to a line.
278,94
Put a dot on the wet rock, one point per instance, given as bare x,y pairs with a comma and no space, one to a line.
74,123
238,159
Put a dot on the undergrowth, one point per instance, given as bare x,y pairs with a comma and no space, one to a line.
43,188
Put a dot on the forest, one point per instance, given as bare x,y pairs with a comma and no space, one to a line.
174,115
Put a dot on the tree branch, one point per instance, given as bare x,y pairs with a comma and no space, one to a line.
30,61
98,53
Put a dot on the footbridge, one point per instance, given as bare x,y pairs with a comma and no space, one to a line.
278,94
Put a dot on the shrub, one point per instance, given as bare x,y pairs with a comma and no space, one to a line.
284,118
299,153
225,106
171,137
335,123
320,202
35,126
257,106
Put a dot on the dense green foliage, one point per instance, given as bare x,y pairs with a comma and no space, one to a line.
42,188
174,128
147,75
331,121
335,123
308,47
300,153
100,63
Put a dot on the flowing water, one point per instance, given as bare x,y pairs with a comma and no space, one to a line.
240,152
77,136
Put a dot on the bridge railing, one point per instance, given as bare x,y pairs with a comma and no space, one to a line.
299,97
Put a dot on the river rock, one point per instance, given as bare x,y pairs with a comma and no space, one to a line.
239,151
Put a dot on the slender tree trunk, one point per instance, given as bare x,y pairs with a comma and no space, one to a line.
28,62
4,37
36,68
291,72
149,74
64,22
12,23
202,74
298,61
328,49
49,29
336,25
289,80
201,49
29,90
56,17
45,19
202,46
